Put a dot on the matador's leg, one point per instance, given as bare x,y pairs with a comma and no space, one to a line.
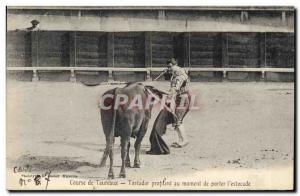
182,139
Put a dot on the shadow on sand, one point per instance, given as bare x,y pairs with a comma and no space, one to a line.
53,163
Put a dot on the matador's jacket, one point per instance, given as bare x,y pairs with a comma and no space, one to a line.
179,91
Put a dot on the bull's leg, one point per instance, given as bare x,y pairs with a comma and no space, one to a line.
127,162
137,146
105,154
111,157
138,141
104,157
124,145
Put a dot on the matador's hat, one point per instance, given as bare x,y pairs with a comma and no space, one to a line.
172,61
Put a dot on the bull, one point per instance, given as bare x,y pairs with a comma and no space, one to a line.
119,119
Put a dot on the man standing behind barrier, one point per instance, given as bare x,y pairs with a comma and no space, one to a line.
34,27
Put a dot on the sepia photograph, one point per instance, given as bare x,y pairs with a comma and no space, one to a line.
150,98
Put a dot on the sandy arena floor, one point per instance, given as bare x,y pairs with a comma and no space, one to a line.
56,125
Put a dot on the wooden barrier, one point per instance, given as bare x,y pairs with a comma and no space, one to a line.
147,70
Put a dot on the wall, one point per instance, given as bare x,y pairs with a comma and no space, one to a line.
18,49
129,51
201,49
205,51
218,20
197,37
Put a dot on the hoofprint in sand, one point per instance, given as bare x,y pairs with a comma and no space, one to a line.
242,131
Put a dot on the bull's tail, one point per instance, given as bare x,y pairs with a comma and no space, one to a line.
110,139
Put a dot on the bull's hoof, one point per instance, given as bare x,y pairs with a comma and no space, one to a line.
137,164
111,176
122,175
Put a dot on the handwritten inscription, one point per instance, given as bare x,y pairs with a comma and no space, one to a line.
21,169
38,179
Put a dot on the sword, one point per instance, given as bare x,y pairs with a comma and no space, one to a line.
161,74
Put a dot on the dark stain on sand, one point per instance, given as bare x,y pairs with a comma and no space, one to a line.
53,163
